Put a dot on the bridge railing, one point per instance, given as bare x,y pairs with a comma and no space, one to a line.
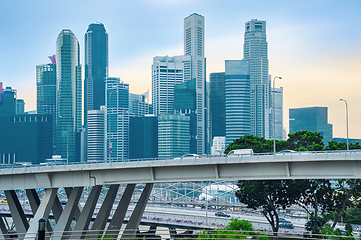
343,154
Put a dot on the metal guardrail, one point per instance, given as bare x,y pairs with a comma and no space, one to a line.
314,155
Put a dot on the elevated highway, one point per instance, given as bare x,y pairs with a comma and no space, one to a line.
74,177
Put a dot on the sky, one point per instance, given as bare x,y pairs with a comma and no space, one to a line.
315,46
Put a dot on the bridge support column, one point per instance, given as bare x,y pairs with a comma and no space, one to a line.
34,202
133,224
78,208
43,211
118,217
17,212
82,224
67,214
103,214
3,229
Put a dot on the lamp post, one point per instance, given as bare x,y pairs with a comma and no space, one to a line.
346,120
274,114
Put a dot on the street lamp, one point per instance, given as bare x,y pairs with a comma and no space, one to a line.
274,114
346,119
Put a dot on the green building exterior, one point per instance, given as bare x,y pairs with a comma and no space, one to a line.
7,101
26,138
173,135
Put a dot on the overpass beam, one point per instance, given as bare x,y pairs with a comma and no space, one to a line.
34,202
104,211
172,233
67,214
85,217
43,211
133,223
3,229
17,213
78,207
119,215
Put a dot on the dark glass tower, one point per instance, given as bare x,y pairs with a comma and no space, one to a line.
217,104
96,67
68,94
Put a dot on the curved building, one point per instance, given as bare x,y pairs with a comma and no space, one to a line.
68,95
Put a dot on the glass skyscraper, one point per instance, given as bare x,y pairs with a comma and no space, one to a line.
237,99
46,91
217,104
255,50
68,94
96,67
117,119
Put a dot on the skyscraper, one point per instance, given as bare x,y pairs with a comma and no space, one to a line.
194,32
255,51
138,105
217,104
46,91
314,119
237,99
68,94
8,101
96,135
96,67
117,119
277,109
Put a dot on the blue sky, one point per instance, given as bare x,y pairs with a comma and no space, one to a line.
314,45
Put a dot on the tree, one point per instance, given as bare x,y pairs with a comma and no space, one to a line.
348,190
269,195
258,144
332,145
305,141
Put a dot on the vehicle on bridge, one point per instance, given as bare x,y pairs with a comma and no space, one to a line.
188,156
222,214
237,152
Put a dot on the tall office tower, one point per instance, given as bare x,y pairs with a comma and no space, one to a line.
218,146
173,135
217,104
8,101
167,72
96,67
277,109
117,119
143,137
20,106
237,99
46,91
185,104
194,32
96,135
255,51
138,104
68,95
314,119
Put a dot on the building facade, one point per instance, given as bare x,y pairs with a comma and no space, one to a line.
117,119
173,135
237,99
314,119
46,91
26,138
217,103
96,135
255,50
8,101
96,67
138,104
277,109
68,95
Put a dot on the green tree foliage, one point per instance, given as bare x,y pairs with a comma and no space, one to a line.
353,214
305,141
237,229
315,224
348,190
259,145
332,233
270,196
332,145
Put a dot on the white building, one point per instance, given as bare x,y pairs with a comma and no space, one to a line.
255,50
218,146
277,108
96,135
138,104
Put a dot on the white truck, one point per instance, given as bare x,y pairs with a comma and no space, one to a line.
237,152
